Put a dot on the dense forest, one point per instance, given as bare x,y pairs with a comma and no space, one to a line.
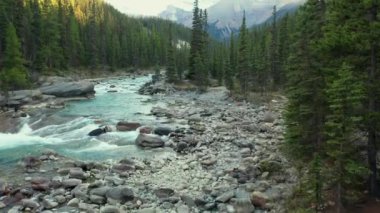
324,58
55,35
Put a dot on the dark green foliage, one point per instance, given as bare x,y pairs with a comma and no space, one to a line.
345,95
13,75
199,47
171,68
243,65
60,34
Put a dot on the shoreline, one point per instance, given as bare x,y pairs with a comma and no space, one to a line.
228,160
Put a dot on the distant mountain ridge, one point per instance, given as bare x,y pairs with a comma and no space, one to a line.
226,15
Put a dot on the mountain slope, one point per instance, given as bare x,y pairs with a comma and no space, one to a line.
226,15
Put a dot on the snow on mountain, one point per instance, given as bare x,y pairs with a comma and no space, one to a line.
226,15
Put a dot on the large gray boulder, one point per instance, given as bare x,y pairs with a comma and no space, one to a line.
150,141
21,97
69,89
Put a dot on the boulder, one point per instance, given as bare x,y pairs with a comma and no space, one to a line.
148,140
69,89
225,197
23,96
71,183
162,131
145,130
40,184
28,203
122,194
259,199
77,173
3,188
268,117
164,193
31,162
109,209
181,146
127,126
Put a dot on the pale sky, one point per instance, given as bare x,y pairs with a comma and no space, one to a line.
154,7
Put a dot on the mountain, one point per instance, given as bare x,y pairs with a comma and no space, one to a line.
178,15
226,15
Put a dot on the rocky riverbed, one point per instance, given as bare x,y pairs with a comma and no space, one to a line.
226,158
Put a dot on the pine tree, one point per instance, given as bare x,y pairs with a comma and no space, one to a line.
283,49
345,94
243,66
230,65
13,75
196,40
307,107
93,47
351,36
171,68
202,74
274,51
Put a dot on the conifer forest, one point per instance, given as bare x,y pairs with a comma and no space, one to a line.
315,71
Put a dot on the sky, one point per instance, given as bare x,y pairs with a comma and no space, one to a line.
154,7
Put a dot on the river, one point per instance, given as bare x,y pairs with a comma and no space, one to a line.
66,131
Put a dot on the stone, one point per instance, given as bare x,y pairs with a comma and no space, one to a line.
2,205
225,197
97,199
77,173
69,89
246,152
183,209
259,199
49,204
164,193
31,162
161,131
73,202
209,162
150,141
102,191
109,209
210,206
124,167
123,126
122,194
146,210
145,130
40,184
28,203
181,146
60,199
268,117
71,183
189,201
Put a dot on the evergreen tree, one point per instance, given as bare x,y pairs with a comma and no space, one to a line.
351,37
196,40
307,107
274,51
230,69
202,74
243,66
171,69
345,94
13,75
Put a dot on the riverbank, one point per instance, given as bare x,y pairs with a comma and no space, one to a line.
227,159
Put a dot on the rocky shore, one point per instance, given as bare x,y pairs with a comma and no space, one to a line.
227,159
